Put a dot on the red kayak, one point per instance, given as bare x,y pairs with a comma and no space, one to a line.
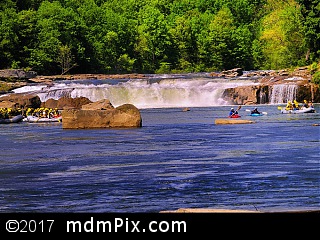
235,116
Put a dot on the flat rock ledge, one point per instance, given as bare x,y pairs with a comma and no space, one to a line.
124,116
232,121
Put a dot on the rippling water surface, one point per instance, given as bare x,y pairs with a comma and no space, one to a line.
176,160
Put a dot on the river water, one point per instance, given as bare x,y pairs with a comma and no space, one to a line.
177,159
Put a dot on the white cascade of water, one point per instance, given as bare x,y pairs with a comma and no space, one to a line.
282,93
146,93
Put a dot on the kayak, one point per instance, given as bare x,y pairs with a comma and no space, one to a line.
256,114
34,119
14,119
302,110
235,116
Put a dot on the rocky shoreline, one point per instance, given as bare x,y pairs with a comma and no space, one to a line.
16,78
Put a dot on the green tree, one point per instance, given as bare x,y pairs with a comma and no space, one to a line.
56,26
216,42
27,34
158,35
65,59
8,35
184,36
153,39
310,10
282,37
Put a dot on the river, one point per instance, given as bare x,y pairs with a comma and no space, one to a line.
177,159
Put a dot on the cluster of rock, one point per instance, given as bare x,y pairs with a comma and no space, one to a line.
17,74
236,72
14,78
80,113
101,114
259,94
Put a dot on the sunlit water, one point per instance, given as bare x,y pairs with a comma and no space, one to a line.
175,160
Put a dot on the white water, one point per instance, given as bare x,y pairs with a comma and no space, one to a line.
161,92
283,93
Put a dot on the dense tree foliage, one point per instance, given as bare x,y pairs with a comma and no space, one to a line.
282,39
155,36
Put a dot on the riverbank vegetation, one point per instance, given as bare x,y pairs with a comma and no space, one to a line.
158,36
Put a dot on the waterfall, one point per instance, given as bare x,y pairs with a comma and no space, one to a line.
160,91
163,92
282,93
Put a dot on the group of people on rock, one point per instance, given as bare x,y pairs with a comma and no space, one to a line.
295,105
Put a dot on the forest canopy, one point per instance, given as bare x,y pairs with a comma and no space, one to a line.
157,36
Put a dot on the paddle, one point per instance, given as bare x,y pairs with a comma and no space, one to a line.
279,108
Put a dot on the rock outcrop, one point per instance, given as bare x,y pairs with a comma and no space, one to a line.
29,100
124,116
260,94
66,102
20,100
17,74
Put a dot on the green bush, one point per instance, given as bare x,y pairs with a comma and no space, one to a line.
5,87
316,78
315,71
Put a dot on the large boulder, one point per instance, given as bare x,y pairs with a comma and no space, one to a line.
243,95
124,116
22,100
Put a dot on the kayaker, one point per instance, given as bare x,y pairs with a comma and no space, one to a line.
232,112
255,111
305,103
